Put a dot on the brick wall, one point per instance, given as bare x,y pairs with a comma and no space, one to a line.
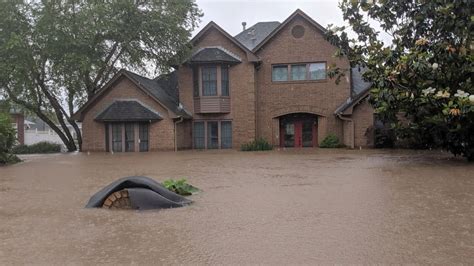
241,85
363,117
317,97
161,135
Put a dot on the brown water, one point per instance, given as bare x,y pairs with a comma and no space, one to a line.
280,207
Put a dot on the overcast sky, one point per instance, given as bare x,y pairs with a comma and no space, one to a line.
229,14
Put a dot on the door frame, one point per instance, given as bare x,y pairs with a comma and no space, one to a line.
136,136
298,120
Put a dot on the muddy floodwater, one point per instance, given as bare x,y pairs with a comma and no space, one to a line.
279,207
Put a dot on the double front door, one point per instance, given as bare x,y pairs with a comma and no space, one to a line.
127,137
298,133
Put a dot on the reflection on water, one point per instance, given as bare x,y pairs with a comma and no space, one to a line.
280,207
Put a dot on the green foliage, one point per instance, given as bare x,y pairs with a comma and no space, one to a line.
259,144
7,140
40,147
422,80
330,141
180,187
57,54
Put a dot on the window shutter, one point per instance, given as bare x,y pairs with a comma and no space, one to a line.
196,81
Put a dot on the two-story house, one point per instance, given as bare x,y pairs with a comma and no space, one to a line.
269,81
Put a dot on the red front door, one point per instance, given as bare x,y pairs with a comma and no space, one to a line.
298,134
298,131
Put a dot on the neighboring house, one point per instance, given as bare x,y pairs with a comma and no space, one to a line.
269,81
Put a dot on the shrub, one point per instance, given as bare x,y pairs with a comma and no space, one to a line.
7,140
180,187
259,144
40,147
331,141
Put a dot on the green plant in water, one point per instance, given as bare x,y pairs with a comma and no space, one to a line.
180,187
259,144
7,140
40,147
331,141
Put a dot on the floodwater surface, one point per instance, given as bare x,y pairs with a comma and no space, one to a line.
279,207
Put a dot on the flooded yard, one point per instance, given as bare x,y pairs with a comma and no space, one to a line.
279,207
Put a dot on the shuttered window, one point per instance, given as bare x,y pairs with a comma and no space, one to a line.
129,137
196,82
225,80
199,135
117,137
226,134
209,81
212,135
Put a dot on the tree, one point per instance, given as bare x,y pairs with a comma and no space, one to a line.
57,54
7,140
421,81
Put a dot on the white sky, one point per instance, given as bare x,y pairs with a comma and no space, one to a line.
229,14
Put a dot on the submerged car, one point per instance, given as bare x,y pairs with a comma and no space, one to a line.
136,192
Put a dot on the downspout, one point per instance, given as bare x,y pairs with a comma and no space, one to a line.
353,127
176,133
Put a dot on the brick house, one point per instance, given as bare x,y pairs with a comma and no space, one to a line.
268,81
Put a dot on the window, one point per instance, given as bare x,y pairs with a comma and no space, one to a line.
129,137
117,137
196,82
280,73
212,135
226,134
298,72
198,133
209,81
143,136
317,71
225,81
297,31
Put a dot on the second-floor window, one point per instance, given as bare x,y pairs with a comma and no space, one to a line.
280,73
209,81
299,72
225,81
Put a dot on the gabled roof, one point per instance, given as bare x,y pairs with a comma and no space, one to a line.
360,89
127,111
214,55
212,25
358,83
154,88
254,35
298,12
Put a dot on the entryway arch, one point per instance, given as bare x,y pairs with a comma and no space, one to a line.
298,130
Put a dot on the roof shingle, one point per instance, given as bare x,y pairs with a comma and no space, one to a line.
123,111
214,55
161,89
252,36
